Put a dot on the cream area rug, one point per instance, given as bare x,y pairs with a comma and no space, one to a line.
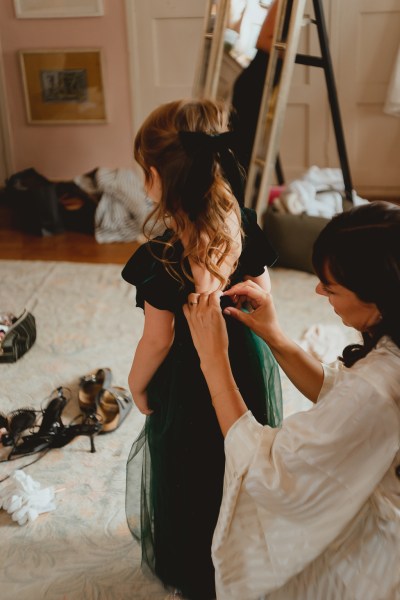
87,319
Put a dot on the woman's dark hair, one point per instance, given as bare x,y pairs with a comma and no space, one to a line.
361,248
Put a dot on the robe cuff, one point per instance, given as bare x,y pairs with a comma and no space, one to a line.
330,379
241,444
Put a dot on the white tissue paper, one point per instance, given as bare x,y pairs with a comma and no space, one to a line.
324,342
24,499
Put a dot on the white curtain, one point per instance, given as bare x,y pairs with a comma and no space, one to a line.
392,104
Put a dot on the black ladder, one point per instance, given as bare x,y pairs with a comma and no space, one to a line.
325,62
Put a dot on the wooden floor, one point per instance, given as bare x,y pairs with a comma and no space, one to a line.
68,246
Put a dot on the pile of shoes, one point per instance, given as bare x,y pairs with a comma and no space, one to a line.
103,408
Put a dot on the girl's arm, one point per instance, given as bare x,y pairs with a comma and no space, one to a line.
264,40
157,338
262,280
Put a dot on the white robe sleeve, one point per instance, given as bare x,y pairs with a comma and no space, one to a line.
289,492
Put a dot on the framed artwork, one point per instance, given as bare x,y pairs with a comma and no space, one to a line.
63,86
49,9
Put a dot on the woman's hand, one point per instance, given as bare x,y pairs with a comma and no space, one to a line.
262,318
207,326
208,329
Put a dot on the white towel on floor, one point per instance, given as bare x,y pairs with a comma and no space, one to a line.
325,342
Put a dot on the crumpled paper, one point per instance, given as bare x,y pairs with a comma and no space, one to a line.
24,499
324,342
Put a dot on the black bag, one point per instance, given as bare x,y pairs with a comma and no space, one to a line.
19,336
42,207
34,202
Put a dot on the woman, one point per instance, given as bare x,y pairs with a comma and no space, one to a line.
312,510
248,90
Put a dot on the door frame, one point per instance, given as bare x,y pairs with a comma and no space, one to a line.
132,62
6,152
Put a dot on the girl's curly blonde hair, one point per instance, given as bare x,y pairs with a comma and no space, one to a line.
188,145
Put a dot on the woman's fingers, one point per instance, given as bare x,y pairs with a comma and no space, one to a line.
210,300
245,288
247,291
193,300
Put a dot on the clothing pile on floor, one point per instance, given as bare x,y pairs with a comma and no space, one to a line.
109,203
122,207
319,193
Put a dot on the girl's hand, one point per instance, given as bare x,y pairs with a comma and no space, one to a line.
140,399
207,326
262,318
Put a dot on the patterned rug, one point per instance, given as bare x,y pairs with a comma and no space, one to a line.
86,319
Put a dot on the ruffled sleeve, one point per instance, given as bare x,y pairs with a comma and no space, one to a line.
153,283
257,251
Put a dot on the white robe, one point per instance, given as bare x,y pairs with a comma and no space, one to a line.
311,511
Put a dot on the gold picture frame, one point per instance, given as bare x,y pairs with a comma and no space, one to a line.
48,9
63,86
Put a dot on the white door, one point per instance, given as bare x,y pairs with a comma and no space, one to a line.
368,37
164,41
364,37
305,132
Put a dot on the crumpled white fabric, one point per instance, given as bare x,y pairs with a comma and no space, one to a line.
24,499
325,342
319,193
123,206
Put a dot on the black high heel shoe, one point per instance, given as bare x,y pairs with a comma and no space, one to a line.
15,424
88,427
50,425
52,432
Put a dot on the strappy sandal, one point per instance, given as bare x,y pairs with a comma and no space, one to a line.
52,432
14,425
89,388
49,426
113,404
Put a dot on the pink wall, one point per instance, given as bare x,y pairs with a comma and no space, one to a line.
64,151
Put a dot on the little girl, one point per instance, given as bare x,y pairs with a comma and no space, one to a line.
176,466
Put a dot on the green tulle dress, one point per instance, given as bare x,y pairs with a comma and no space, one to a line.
176,466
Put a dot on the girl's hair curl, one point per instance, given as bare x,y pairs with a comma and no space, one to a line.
188,144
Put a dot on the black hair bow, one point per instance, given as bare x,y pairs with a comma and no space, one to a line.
203,148
198,142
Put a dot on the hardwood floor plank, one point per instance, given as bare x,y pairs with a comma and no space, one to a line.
68,246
